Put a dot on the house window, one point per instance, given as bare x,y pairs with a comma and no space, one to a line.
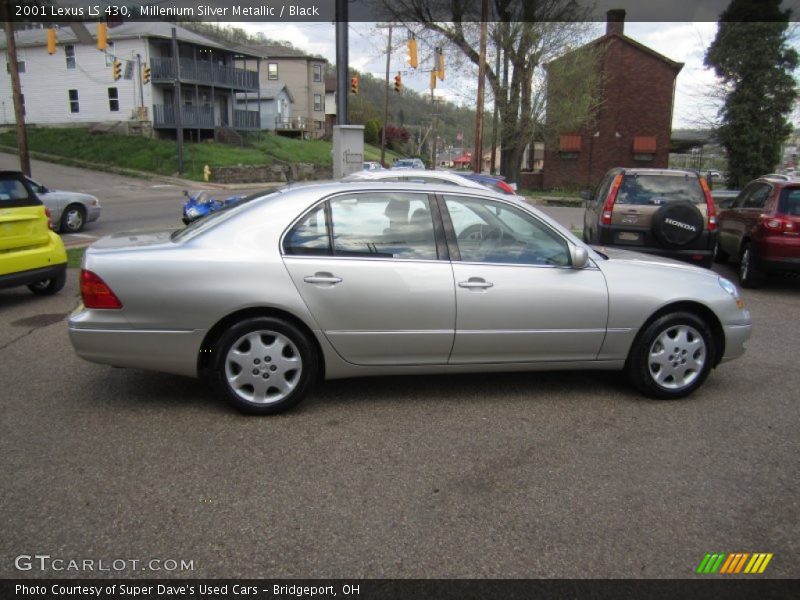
20,66
317,73
110,54
73,101
644,147
113,99
272,71
69,52
317,102
569,144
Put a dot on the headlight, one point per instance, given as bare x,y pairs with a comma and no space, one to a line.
192,212
729,287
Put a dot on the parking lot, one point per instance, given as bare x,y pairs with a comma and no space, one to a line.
516,475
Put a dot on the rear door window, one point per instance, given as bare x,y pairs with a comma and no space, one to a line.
659,189
790,202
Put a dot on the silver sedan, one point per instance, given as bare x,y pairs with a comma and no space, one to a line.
351,279
69,211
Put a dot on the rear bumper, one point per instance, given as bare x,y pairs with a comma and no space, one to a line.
31,276
156,350
700,252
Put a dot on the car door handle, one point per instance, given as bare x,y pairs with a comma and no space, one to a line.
475,283
323,278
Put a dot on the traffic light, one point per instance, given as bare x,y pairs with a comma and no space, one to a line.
146,74
440,62
117,69
51,41
433,80
398,83
354,85
412,51
102,36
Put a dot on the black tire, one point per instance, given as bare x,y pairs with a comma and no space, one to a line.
48,287
72,219
677,224
678,378
720,256
749,276
283,343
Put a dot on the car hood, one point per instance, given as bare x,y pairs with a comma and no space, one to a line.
133,239
74,195
628,256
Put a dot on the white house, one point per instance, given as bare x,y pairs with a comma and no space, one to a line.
76,84
276,102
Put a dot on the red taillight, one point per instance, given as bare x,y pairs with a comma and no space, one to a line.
507,189
608,206
96,293
778,226
49,218
710,206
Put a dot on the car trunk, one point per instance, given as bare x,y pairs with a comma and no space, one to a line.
23,228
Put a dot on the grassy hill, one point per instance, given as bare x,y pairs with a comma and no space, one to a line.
160,156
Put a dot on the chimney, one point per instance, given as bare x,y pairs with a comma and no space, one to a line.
615,21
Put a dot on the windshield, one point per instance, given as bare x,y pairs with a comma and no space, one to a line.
211,220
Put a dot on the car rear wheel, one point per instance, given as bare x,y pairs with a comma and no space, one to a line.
73,219
263,365
749,276
672,356
48,287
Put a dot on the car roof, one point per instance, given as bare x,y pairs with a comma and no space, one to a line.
652,171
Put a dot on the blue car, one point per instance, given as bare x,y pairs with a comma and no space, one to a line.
495,183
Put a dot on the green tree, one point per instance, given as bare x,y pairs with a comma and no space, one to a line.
372,130
751,57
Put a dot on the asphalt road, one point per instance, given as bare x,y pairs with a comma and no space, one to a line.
516,475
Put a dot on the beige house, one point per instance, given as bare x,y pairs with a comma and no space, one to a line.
304,78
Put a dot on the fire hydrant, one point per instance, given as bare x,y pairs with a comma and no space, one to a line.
206,173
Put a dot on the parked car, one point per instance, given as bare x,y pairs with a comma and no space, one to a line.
373,165
30,252
408,163
333,280
416,176
761,230
668,212
70,211
493,182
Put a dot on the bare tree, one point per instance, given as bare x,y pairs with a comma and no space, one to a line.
528,33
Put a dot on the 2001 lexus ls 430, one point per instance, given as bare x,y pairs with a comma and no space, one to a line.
349,279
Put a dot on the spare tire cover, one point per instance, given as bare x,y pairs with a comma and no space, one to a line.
678,224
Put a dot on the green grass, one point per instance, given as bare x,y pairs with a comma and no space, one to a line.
74,257
160,156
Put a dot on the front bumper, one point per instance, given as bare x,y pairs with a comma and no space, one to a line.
735,338
92,213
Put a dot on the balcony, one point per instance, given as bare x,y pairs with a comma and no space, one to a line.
202,117
301,127
202,72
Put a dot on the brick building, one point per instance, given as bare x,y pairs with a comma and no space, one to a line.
632,126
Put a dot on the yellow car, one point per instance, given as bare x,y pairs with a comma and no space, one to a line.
30,252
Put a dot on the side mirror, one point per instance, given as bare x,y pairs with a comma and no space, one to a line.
586,195
579,257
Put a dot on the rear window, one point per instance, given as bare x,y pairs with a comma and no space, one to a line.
14,193
659,189
790,202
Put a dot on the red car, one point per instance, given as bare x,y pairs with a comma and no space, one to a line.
761,230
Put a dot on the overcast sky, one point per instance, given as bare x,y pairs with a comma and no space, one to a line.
682,42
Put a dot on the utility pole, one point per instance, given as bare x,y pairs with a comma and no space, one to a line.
342,60
435,124
477,155
19,99
386,91
176,65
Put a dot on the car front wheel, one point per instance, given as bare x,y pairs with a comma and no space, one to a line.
672,356
263,365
